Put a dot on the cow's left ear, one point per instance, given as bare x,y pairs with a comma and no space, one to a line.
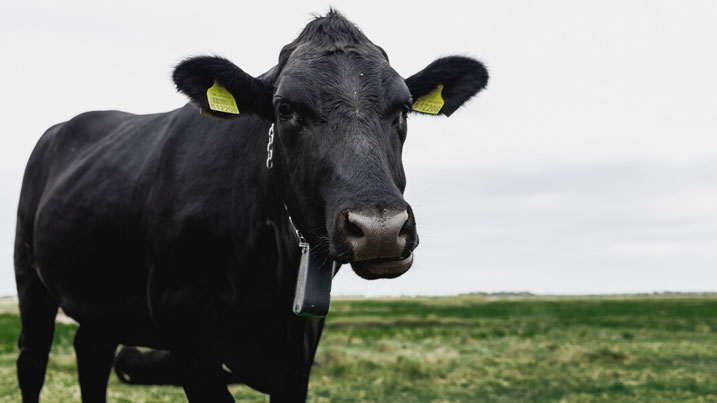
222,89
446,84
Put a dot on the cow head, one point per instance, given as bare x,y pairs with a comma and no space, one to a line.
339,112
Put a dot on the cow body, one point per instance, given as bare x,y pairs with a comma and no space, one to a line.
170,208
169,231
146,184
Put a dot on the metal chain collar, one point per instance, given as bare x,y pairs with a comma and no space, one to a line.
270,164
270,149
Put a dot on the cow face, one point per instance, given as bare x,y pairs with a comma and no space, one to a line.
340,120
341,123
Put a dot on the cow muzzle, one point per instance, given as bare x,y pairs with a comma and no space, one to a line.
379,243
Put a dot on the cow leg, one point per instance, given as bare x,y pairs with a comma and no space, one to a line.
293,387
204,380
153,367
293,381
37,316
150,367
202,376
95,352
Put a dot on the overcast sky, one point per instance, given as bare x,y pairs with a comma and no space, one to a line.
588,165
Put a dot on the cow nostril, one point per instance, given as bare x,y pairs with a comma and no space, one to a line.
353,230
405,230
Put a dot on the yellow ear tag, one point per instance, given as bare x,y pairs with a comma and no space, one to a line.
221,100
431,102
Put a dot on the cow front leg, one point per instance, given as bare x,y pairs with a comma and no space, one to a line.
95,352
203,379
292,387
292,378
185,318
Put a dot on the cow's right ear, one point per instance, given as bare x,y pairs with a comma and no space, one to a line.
206,79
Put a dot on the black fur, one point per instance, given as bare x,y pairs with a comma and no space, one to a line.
168,231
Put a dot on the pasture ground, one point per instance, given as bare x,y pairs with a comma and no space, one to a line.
469,349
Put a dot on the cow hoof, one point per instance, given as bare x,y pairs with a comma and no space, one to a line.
124,377
126,360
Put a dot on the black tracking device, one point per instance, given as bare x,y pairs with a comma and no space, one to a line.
313,285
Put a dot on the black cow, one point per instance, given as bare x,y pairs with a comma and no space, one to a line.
173,230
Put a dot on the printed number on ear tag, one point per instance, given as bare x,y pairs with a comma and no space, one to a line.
221,100
430,103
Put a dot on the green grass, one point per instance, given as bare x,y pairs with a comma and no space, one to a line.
472,349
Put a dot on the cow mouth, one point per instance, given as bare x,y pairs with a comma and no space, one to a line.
382,268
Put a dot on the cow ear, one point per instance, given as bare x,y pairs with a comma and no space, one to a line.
222,89
446,84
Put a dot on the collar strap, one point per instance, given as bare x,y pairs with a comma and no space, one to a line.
299,237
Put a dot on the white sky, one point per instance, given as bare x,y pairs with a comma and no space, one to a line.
589,165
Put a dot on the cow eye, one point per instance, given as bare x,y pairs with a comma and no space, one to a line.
286,112
405,110
401,117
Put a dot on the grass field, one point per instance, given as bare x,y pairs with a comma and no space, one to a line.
471,349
